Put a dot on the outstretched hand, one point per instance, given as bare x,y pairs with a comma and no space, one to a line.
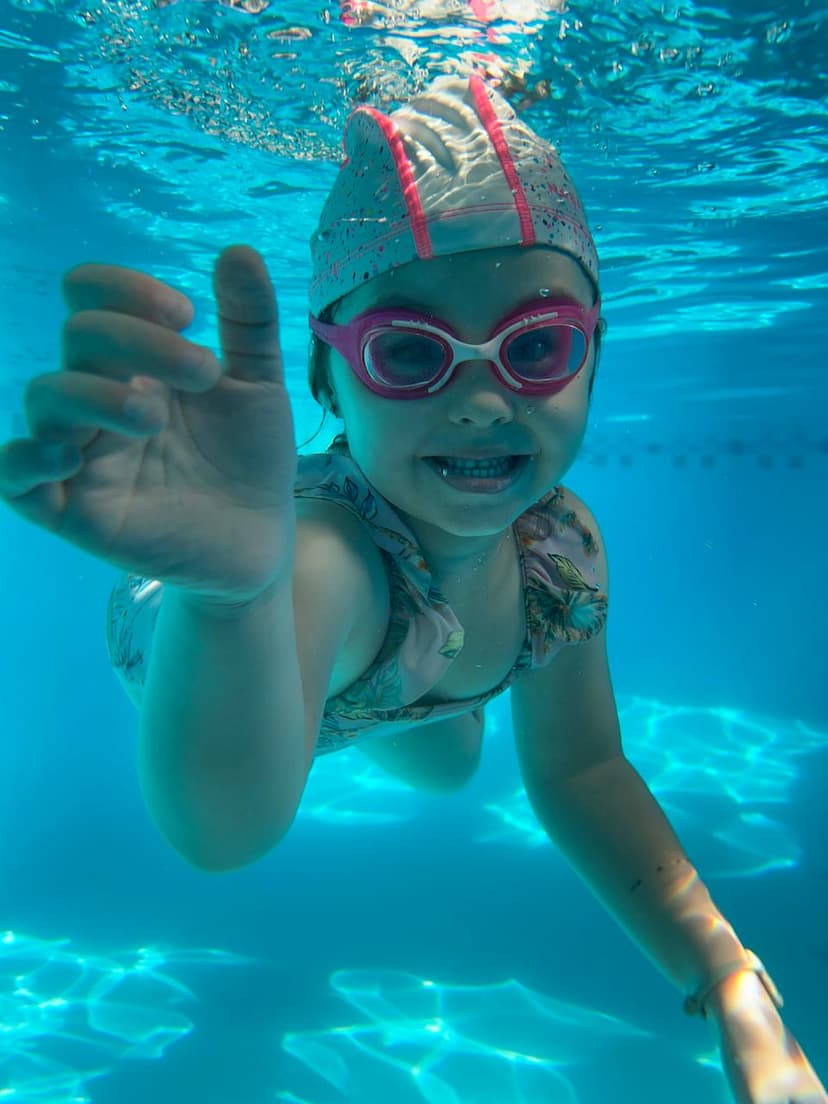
194,486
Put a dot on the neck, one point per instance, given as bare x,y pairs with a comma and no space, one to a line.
464,568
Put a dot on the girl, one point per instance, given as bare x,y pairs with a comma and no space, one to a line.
279,608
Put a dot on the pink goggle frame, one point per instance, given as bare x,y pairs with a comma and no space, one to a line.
370,342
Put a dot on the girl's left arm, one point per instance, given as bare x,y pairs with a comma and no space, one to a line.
599,812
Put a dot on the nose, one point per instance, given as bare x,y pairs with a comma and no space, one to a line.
476,394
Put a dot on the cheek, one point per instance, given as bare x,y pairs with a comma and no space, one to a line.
564,421
341,377
379,431
569,407
356,405
374,418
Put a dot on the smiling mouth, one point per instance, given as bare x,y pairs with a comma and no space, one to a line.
493,471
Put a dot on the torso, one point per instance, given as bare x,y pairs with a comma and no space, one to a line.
495,628
492,618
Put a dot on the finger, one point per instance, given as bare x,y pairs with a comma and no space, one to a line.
120,346
126,291
26,464
73,407
248,316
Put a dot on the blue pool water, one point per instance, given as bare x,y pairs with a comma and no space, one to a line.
399,947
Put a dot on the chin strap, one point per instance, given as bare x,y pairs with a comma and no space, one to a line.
694,1004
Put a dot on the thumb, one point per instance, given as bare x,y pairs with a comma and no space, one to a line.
247,315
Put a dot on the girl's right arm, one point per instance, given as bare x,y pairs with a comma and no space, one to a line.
152,454
224,752
234,697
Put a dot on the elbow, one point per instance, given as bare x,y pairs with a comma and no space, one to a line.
224,853
215,827
218,836
554,797
214,862
586,773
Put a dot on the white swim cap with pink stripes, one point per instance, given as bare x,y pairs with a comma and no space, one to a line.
452,171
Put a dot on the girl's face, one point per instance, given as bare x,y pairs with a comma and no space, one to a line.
390,438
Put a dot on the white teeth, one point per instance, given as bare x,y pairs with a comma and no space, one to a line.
479,469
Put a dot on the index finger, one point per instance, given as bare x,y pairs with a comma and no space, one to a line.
126,291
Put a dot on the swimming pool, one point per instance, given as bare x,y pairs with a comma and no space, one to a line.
401,947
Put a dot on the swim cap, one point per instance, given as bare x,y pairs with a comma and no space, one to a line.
452,171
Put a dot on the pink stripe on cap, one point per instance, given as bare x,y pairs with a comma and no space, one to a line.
492,124
452,171
419,226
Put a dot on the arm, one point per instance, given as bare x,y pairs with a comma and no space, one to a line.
599,812
597,809
595,806
221,777
233,698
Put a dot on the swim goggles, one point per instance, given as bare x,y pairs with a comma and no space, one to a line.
536,350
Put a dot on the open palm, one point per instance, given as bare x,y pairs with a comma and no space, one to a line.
200,496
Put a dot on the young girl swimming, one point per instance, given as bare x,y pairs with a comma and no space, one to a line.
377,596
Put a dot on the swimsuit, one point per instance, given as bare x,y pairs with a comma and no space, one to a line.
562,606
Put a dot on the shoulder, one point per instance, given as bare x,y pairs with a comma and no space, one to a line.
564,556
592,536
331,537
339,574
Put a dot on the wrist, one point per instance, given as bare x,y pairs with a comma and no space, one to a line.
232,607
736,994
744,995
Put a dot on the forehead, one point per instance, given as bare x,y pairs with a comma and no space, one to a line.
483,284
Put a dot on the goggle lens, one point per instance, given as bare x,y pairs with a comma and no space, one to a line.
547,352
405,359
